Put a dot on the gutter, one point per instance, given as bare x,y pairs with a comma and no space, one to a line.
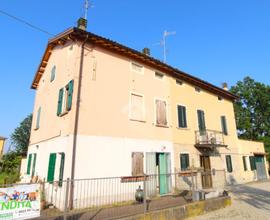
75,133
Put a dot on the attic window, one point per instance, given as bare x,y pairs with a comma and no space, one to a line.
53,72
179,82
220,98
159,75
137,67
197,89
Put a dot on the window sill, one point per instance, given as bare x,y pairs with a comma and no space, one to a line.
162,126
185,129
131,119
128,179
63,113
35,129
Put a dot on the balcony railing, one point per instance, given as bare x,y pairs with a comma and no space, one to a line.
209,139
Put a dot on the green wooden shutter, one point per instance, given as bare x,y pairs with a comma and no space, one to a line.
229,163
61,172
201,120
224,125
53,73
38,118
34,165
60,101
252,163
184,161
182,121
29,164
244,163
51,167
70,93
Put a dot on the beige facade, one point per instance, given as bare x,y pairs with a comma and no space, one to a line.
123,96
2,144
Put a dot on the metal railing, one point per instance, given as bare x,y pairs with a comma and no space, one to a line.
115,197
209,137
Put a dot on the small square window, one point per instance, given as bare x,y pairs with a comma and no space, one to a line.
197,89
137,67
159,75
179,82
220,98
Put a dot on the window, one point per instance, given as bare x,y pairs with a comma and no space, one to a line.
229,163
34,165
137,164
220,98
53,72
61,172
201,120
65,99
136,107
224,125
252,163
197,89
244,163
159,75
182,120
29,164
38,118
184,161
51,167
137,67
161,113
179,82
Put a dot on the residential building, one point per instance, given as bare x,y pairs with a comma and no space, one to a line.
102,109
2,144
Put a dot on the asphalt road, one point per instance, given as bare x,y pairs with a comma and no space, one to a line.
249,201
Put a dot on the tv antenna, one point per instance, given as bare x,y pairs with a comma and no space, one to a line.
87,5
163,43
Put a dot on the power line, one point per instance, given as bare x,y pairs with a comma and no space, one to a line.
26,23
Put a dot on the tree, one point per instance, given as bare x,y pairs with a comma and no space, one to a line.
21,135
252,110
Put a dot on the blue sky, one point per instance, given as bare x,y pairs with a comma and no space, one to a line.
218,41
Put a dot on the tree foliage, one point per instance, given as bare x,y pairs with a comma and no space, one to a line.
252,110
20,136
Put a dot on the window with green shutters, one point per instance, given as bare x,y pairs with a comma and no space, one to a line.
229,163
51,167
34,165
65,99
224,125
201,120
244,163
252,163
184,161
182,119
29,164
38,118
61,172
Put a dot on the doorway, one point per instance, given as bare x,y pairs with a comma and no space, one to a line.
206,172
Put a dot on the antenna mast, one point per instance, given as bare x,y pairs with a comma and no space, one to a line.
163,43
86,7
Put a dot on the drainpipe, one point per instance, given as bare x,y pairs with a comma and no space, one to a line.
75,133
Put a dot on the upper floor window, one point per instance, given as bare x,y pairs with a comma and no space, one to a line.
137,107
159,75
182,120
201,120
224,125
197,89
53,72
161,113
229,163
220,98
65,99
179,82
137,67
38,118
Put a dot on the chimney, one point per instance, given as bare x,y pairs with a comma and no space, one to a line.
82,24
225,86
146,51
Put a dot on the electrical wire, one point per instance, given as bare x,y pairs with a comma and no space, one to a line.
26,23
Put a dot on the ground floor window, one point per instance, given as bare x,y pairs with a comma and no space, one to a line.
244,163
184,161
229,163
252,163
137,164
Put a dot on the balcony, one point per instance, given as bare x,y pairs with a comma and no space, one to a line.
209,139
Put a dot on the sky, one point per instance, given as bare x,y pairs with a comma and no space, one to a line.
216,40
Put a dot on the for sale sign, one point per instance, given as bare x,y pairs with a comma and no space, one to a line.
20,202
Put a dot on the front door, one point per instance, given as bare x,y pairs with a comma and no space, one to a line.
260,168
206,173
163,170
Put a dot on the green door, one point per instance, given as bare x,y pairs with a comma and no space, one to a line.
163,180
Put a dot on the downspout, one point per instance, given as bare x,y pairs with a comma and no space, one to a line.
75,133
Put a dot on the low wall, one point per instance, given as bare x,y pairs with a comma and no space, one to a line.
185,211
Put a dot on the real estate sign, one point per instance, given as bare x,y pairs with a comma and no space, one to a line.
20,202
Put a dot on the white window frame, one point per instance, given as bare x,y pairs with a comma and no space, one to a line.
155,112
143,107
135,63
